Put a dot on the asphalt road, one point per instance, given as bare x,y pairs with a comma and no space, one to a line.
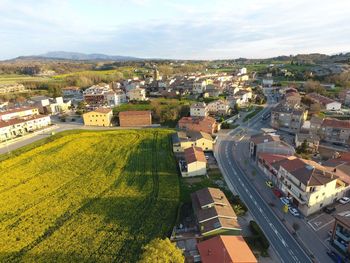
285,245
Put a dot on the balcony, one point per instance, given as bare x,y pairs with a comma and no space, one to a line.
301,198
343,247
342,235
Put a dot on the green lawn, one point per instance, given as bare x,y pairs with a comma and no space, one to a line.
87,196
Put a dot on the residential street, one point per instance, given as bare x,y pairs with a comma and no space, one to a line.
230,155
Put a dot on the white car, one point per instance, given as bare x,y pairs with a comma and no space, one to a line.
294,211
285,201
344,200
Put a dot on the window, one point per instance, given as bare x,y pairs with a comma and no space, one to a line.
321,204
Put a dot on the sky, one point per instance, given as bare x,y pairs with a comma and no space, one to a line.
192,29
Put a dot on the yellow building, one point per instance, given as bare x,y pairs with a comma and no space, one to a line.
194,164
98,117
186,139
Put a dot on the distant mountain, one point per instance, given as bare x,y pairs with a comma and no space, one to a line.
78,56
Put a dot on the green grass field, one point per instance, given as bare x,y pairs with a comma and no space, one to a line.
13,79
87,196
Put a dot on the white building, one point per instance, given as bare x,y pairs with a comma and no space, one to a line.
115,98
137,94
199,109
199,87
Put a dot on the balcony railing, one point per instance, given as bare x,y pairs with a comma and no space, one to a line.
343,236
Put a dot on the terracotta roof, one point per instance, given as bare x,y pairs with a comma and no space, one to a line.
134,113
20,120
320,99
197,120
192,136
209,195
272,158
335,123
261,138
219,223
17,110
102,110
225,249
194,154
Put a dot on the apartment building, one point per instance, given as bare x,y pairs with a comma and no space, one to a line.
199,109
288,118
334,130
340,237
115,98
18,113
310,185
95,95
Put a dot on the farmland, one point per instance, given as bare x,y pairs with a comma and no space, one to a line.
87,196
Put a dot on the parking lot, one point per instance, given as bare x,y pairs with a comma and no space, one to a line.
322,222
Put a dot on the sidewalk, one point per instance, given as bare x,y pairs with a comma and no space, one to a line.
305,235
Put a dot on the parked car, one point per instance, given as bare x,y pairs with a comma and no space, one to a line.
344,200
329,209
285,201
269,184
277,192
334,256
294,211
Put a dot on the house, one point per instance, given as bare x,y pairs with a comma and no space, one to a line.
195,163
326,103
340,237
20,121
95,95
312,141
186,139
203,124
56,105
219,107
242,97
221,248
288,118
315,125
199,109
214,213
98,117
135,118
137,94
115,98
310,185
336,131
268,143
18,113
12,128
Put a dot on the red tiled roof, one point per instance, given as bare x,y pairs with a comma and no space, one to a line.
194,154
272,158
225,249
261,138
334,123
16,110
320,99
20,120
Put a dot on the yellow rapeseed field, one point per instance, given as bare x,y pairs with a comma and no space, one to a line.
88,196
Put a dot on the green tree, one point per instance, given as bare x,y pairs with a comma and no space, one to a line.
161,251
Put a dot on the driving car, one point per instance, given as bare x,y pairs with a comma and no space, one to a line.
285,201
344,200
269,184
294,211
